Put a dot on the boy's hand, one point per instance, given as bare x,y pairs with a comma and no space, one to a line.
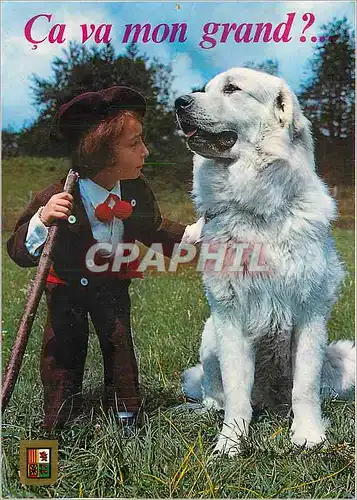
59,206
193,232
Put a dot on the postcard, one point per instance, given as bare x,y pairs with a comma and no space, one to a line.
178,241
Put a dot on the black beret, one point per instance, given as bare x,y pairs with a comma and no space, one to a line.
77,116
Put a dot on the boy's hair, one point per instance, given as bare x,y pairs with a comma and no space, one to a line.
96,147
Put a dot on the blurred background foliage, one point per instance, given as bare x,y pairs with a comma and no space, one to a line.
327,96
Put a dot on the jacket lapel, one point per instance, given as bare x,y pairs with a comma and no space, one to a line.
80,222
131,194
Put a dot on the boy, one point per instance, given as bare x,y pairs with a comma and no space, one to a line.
112,203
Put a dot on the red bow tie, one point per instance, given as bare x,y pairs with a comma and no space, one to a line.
121,209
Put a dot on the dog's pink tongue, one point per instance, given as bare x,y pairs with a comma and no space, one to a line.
190,134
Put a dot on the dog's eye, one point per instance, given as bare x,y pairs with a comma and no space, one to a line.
230,88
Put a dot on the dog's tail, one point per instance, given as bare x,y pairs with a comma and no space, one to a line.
339,369
192,382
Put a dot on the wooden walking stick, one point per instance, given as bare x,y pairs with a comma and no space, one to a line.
33,298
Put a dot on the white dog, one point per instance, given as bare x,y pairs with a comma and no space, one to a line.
265,343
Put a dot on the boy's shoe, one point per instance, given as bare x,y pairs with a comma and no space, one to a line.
128,420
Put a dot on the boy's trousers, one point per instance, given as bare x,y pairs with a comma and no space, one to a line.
65,344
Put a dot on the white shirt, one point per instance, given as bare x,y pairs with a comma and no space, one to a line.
92,195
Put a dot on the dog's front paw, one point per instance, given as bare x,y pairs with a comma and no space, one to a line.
227,446
307,435
229,440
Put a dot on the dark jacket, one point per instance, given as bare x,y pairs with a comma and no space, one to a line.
145,225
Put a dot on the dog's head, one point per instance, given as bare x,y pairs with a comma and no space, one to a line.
238,109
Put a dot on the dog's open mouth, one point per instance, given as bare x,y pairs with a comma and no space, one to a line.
188,129
221,140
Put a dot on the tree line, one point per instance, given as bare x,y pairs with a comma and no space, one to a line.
326,96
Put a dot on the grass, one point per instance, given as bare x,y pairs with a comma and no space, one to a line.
169,455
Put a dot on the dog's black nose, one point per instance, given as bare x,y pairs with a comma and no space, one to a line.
183,101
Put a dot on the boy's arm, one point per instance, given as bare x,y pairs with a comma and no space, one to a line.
36,236
163,231
23,246
16,245
169,233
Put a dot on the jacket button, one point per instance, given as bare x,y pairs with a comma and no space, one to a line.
84,281
72,219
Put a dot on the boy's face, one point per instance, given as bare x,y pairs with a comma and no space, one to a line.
131,151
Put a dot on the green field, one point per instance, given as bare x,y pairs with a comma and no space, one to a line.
169,454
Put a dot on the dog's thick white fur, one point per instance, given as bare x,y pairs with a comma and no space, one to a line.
255,181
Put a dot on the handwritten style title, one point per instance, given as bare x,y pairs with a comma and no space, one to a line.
212,33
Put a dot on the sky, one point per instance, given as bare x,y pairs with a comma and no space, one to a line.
192,64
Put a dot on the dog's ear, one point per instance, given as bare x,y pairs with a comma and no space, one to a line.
287,110
283,107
